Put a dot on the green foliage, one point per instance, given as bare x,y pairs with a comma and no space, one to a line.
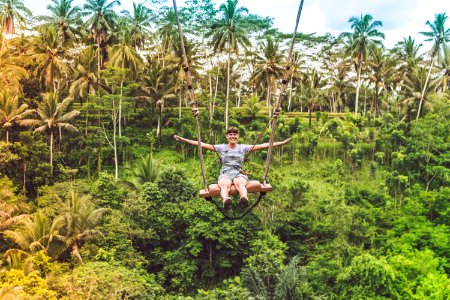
107,192
103,280
367,277
174,187
264,264
30,286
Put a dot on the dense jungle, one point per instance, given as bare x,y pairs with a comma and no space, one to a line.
98,200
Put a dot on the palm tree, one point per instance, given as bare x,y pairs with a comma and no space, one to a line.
78,221
253,106
382,70
139,24
51,114
439,35
101,20
124,56
7,217
65,17
52,67
414,82
359,41
167,30
12,11
85,80
35,234
175,62
227,34
159,82
268,67
10,111
11,74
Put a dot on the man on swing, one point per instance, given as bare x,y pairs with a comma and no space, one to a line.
232,157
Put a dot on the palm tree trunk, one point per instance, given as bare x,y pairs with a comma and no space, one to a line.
76,252
51,148
290,92
98,59
425,87
228,84
120,107
7,135
358,85
239,92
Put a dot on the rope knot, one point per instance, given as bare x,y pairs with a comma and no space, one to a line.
195,111
276,112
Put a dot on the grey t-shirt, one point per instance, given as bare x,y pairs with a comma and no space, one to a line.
232,158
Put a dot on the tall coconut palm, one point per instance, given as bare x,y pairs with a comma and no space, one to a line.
139,24
124,56
65,17
364,35
12,11
10,111
381,70
101,20
167,30
175,62
228,33
79,217
51,114
268,64
158,83
439,35
52,66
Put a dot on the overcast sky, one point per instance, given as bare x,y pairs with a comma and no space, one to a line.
400,18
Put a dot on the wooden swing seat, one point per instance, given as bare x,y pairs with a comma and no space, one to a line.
253,186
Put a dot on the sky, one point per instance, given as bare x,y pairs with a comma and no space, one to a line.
400,18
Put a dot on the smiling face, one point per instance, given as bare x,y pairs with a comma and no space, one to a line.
232,138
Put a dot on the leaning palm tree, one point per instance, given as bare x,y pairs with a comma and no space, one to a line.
10,111
227,34
124,56
101,19
439,35
65,17
139,24
364,35
51,114
78,221
12,11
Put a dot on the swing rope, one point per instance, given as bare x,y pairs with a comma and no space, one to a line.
193,102
279,101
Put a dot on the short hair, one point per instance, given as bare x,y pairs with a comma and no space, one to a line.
232,129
